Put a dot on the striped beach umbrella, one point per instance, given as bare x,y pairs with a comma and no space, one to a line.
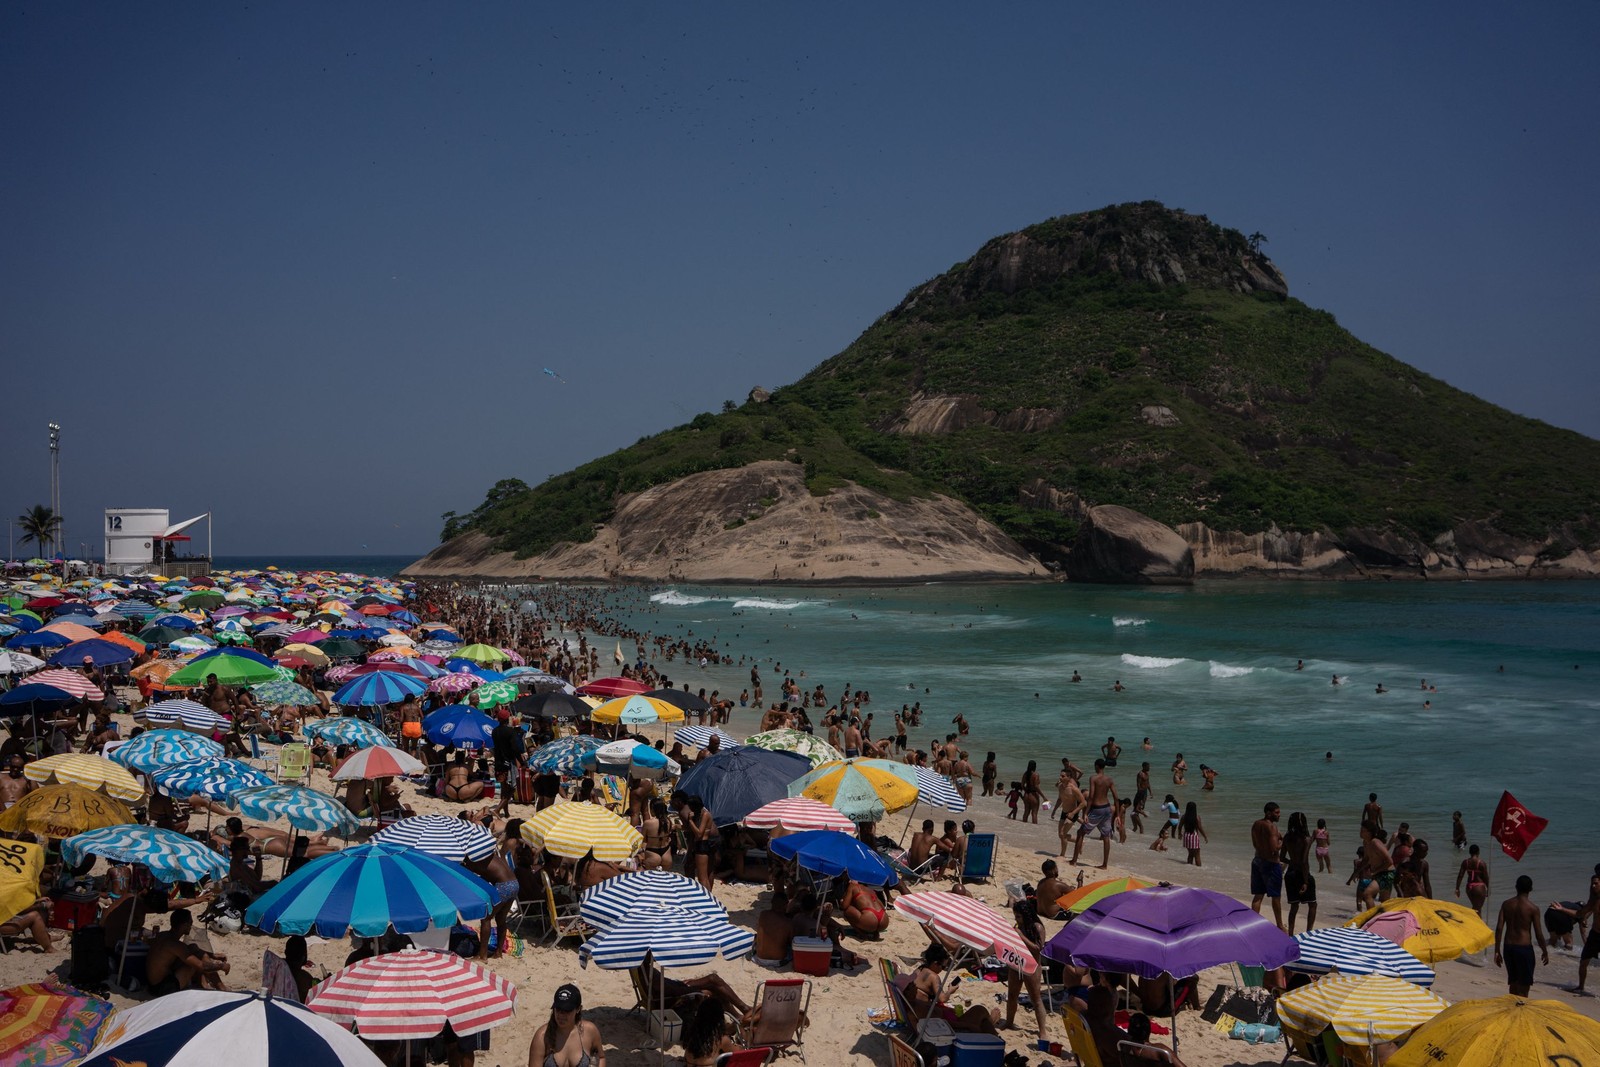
1351,951
972,923
700,737
1363,1009
493,694
90,772
379,761
608,903
384,687
197,1027
636,711
170,856
280,694
181,714
218,779
799,813
454,683
566,756
369,888
864,789
68,682
935,789
302,807
799,742
673,937
347,730
573,830
440,835
410,995
48,1025
164,748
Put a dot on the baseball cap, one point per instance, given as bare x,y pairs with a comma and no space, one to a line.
504,714
568,998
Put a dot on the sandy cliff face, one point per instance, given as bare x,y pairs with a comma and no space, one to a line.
759,523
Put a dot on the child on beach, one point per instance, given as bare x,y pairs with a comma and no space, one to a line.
1320,839
1123,807
1170,827
1193,833
1014,798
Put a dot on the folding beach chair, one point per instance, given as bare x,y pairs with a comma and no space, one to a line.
565,920
902,1054
294,762
978,863
780,1015
1081,1041
265,759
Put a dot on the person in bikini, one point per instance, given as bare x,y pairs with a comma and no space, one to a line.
659,840
457,784
1476,874
863,909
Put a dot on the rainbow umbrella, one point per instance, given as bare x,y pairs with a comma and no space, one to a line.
48,1025
864,789
1086,896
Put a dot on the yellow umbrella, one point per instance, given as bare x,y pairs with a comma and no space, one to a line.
637,710
159,669
310,653
1502,1030
1429,929
1363,1009
64,811
20,865
864,789
91,772
572,829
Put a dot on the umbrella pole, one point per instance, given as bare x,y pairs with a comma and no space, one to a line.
914,805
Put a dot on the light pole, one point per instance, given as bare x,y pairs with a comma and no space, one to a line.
55,484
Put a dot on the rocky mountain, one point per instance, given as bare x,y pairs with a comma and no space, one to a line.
1127,394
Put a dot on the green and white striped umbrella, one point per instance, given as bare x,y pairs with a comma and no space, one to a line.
493,694
799,742
283,693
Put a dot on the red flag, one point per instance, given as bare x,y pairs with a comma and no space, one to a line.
1515,826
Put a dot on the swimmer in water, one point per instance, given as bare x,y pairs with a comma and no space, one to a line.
1328,758
1299,664
1381,689
1118,686
1147,746
1076,677
1335,680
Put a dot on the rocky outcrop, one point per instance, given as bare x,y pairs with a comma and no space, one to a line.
1158,415
1117,544
936,413
1275,553
759,523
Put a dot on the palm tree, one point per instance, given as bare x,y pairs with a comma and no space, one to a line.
40,525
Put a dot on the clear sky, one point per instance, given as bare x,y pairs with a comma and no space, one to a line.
304,264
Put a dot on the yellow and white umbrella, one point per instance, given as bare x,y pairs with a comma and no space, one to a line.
1363,1009
91,772
573,829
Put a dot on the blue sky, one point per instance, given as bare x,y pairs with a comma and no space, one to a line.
304,264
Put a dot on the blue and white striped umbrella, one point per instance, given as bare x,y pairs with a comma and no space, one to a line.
441,835
700,737
202,1027
279,629
164,748
218,779
1349,950
344,730
370,888
569,756
422,667
170,856
674,937
608,903
302,807
182,714
192,643
380,687
934,788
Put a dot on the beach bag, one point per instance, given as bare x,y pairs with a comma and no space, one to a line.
524,786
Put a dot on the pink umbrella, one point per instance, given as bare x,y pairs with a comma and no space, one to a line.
305,637
799,813
69,682
518,660
341,674
379,761
1396,926
613,687
972,923
388,653
454,683
410,995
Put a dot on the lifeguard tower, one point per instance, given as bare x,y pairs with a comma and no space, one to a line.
146,541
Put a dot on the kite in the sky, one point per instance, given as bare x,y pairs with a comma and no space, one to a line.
556,376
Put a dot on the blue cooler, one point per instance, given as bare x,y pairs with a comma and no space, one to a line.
978,1050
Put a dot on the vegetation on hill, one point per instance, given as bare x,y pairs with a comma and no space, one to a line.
1074,328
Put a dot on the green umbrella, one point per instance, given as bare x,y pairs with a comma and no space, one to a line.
202,598
341,648
161,635
229,669
233,637
493,694
281,694
484,654
800,743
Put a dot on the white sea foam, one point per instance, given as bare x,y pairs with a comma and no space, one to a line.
676,599
758,604
1223,670
1150,663
1128,620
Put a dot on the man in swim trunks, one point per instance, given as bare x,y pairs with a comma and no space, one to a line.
410,724
1514,931
1102,814
1070,803
1111,750
1141,788
852,739
1266,867
1380,864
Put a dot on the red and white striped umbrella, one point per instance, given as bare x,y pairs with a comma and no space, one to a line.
458,682
340,674
379,761
799,813
68,682
410,995
972,923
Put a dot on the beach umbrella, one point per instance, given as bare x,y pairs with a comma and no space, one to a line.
459,725
681,698
164,748
250,654
799,813
613,687
161,635
457,665
1086,896
833,853
493,694
18,662
551,705
302,807
700,737
573,830
813,748
672,936
48,1025
1363,1009
312,654
636,711
192,643
379,761
418,666
200,1027
169,856
410,995
35,699
62,811
21,865
347,730
177,622
369,888
1351,951
389,666
99,651
341,648
969,922
737,782
38,639
864,789
394,639
1431,930
90,772
68,682
1502,1030
444,836
231,668
217,779
384,687
935,789
635,760
566,756
278,694
157,670
453,683
485,654
205,599
182,714
608,903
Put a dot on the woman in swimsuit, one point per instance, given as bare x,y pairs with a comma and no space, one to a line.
1193,832
1476,873
863,910
567,1040
1032,795
659,840
1324,860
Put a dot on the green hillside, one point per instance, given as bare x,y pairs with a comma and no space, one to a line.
1052,342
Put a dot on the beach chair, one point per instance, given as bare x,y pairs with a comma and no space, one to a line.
902,1054
294,761
895,858
746,1057
780,1015
1311,1050
260,756
641,988
978,863
565,920
1081,1041
888,972
1133,1054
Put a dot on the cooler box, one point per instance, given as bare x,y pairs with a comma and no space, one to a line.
935,1042
73,911
812,955
978,1050
666,1027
